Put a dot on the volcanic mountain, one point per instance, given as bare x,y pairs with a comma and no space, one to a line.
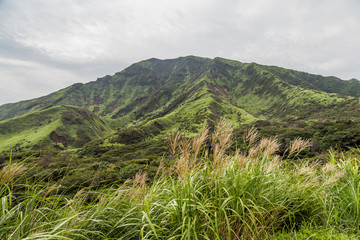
182,93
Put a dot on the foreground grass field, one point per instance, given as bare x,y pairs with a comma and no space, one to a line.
207,193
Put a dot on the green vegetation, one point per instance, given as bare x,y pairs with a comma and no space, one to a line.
207,192
60,127
154,88
181,94
92,161
68,134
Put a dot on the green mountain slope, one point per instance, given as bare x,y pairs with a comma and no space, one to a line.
152,98
144,86
316,82
60,126
265,95
154,88
184,93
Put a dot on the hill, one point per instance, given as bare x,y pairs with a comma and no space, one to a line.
60,127
256,194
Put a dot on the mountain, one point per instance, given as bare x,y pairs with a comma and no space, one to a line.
155,88
184,93
119,124
60,127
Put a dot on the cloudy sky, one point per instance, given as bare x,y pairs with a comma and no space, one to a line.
46,45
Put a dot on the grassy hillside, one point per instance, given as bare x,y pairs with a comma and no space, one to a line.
60,127
145,86
153,98
162,175
154,88
317,82
207,192
265,95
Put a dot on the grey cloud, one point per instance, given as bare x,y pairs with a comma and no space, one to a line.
73,40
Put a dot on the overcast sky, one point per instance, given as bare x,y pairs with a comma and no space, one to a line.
46,45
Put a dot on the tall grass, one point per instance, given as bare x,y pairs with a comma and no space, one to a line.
208,193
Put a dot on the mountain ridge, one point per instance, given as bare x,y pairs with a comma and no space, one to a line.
187,93
114,127
160,69
60,127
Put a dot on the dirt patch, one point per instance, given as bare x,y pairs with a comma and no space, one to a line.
98,101
58,139
153,89
221,91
